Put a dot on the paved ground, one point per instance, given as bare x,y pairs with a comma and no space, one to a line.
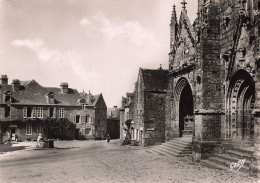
98,161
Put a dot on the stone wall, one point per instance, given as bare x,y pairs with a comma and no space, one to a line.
101,119
154,118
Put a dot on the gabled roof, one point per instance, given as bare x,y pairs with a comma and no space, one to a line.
96,98
32,93
185,21
155,80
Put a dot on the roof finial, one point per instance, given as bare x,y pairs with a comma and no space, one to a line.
174,16
174,10
184,4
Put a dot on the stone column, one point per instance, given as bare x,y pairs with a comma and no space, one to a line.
254,168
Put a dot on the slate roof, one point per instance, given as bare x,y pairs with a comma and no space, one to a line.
155,80
91,100
32,93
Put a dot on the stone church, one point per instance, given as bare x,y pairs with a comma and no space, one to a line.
214,77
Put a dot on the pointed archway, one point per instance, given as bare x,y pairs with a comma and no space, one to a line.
240,104
185,107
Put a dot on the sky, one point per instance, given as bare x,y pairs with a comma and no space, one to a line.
94,45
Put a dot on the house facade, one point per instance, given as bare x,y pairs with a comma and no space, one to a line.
27,109
126,115
99,112
214,76
145,109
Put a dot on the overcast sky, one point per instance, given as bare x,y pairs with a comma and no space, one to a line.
95,45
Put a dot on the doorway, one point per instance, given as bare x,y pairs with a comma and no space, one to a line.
185,107
13,134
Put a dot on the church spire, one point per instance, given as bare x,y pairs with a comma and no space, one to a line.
173,26
174,15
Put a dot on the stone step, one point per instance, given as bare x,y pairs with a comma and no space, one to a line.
241,150
177,146
171,147
228,158
180,142
158,151
227,163
214,165
178,151
238,155
184,139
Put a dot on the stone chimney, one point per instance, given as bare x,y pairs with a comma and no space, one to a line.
64,87
4,80
16,84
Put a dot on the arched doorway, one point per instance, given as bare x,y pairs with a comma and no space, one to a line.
184,100
240,103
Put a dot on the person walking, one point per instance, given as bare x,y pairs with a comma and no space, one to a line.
38,140
108,138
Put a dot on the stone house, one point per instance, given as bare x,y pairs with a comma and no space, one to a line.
96,107
214,76
125,114
27,109
147,109
113,122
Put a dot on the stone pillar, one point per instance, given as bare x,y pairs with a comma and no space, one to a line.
209,104
254,168
207,133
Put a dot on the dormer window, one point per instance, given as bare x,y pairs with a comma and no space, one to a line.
7,96
82,102
50,97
